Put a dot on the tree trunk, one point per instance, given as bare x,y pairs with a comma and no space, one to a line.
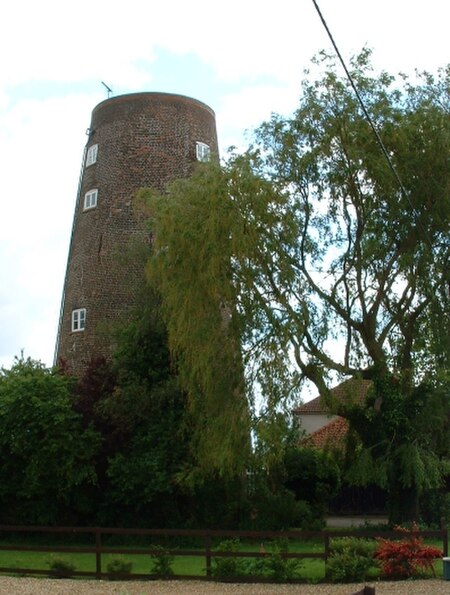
403,503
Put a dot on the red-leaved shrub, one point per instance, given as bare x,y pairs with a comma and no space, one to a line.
408,557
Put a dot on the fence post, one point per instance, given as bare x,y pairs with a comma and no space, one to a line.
326,537
208,554
444,540
98,553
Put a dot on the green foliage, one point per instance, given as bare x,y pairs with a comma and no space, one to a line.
279,568
351,560
45,453
60,567
395,448
275,434
292,486
137,405
162,562
313,476
273,565
435,508
262,265
118,568
229,566
207,346
357,546
307,241
279,510
142,472
148,472
309,516
213,501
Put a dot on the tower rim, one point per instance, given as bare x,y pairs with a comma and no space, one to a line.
153,95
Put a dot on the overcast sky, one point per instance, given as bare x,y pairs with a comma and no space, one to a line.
244,58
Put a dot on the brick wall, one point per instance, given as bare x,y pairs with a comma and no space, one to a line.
144,140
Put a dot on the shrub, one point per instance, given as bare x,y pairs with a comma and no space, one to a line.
406,558
279,568
279,511
435,508
351,560
61,568
358,546
118,568
313,476
308,517
273,565
229,566
162,562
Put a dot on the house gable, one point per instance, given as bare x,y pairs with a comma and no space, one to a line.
315,415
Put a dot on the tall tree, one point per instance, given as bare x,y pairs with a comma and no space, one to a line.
204,334
146,412
46,456
309,245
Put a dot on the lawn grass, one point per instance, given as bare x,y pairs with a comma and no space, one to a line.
309,570
142,563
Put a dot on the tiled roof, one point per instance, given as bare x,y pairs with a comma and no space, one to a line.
332,434
313,406
351,390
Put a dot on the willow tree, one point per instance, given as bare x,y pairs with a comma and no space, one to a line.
315,252
204,331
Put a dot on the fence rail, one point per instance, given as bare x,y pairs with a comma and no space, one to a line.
206,551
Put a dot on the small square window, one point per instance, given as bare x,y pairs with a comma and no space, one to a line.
90,199
91,156
78,319
203,152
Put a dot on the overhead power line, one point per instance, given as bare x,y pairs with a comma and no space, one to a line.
372,125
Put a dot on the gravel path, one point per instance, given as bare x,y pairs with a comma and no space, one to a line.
37,586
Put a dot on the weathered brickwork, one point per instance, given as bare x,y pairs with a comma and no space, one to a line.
144,140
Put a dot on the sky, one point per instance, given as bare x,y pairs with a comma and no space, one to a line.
245,59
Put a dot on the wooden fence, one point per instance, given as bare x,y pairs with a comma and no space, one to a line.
162,536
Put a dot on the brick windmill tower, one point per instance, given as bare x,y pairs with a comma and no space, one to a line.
134,141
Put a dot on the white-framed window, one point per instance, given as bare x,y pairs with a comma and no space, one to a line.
90,199
78,319
91,156
202,151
